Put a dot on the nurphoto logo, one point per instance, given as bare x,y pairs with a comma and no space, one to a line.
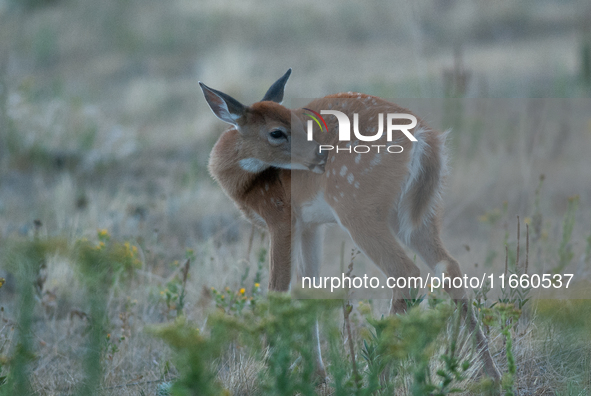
344,126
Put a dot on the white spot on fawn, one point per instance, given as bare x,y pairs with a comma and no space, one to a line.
266,186
358,158
350,178
376,160
343,171
356,184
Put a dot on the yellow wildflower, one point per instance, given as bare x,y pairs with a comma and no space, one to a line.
242,291
257,285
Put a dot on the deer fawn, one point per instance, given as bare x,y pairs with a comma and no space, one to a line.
284,181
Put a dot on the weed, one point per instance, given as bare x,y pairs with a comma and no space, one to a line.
537,218
373,354
502,316
491,219
111,346
347,309
454,368
194,356
414,299
481,295
413,336
25,259
284,326
565,253
108,261
17,381
517,296
234,302
175,292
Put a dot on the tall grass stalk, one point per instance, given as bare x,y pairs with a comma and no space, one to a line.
565,253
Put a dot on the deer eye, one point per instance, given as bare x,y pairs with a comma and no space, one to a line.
277,134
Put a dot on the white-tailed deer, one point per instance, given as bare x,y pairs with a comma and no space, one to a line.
288,184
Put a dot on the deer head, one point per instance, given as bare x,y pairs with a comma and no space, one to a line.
271,135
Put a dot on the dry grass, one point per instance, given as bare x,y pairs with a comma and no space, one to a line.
102,127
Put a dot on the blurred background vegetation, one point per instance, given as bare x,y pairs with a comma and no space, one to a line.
103,127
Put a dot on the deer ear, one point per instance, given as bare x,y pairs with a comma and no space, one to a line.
275,93
225,107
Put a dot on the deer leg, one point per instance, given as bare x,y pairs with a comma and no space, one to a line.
307,251
375,240
280,258
310,251
426,241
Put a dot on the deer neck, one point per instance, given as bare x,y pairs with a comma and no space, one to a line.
233,169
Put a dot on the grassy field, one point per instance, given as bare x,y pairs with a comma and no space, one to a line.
124,268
